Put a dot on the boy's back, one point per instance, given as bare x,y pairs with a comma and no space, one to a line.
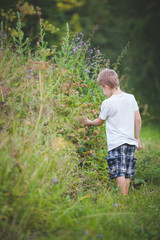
119,111
122,117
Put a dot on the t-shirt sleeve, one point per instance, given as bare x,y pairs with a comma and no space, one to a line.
135,105
104,111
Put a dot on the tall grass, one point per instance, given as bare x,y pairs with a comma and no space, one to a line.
53,173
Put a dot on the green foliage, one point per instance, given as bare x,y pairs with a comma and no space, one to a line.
42,44
114,22
120,58
53,173
18,38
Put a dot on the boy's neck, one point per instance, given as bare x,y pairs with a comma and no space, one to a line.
116,91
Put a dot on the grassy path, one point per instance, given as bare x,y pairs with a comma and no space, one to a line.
70,208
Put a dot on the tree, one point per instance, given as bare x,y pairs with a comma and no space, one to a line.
135,21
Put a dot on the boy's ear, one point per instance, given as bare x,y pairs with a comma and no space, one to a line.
107,86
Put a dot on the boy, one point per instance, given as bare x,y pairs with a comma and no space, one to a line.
122,117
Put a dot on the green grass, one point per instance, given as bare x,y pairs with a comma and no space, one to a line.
150,132
81,204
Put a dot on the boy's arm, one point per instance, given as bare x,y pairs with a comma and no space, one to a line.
96,122
138,123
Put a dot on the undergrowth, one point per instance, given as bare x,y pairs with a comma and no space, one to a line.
53,174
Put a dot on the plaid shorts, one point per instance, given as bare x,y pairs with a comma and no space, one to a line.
121,161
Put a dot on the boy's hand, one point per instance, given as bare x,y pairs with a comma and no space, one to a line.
87,122
139,144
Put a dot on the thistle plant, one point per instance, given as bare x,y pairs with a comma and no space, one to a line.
21,45
42,50
78,62
93,58
120,57
64,52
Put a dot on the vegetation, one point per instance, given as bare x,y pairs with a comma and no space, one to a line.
113,24
53,173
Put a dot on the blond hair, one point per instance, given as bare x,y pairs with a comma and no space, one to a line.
108,77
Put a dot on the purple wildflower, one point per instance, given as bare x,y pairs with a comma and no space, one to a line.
55,180
84,232
100,236
86,70
29,77
115,204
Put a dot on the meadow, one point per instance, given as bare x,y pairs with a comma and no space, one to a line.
54,180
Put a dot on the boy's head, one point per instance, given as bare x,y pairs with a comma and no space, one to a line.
108,77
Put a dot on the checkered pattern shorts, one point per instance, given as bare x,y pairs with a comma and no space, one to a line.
121,161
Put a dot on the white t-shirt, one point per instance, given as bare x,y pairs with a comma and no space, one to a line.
119,113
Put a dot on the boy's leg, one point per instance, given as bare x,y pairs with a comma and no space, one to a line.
119,162
123,183
127,185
